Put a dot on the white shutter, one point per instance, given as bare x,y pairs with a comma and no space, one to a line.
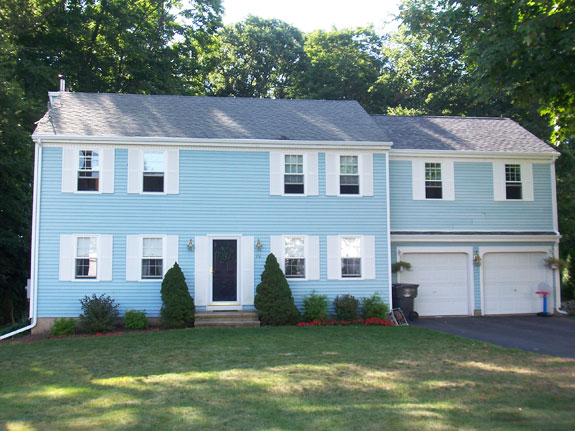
202,270
368,257
333,258
172,169
311,174
69,169
277,248
171,252
276,173
366,175
418,179
107,170
133,257
67,251
448,180
312,264
527,181
247,270
135,166
499,181
331,174
105,253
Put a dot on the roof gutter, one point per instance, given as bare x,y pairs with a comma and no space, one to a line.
33,311
397,153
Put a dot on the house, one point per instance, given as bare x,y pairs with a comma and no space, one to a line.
126,185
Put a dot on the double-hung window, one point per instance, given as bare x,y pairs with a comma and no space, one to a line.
152,258
350,257
294,247
153,180
348,175
433,182
293,174
86,259
513,186
88,171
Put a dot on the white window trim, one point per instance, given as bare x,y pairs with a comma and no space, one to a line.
141,257
359,175
305,254
77,150
500,180
304,174
447,179
98,258
164,167
361,256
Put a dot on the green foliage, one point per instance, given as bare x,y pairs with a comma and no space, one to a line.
178,309
346,307
99,313
135,319
400,266
315,306
565,167
274,300
373,306
568,280
63,326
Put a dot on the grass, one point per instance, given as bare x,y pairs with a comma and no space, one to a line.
334,378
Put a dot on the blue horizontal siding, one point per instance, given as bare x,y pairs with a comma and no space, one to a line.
220,193
474,207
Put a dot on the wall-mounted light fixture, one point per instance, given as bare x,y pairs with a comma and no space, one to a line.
258,244
477,259
191,244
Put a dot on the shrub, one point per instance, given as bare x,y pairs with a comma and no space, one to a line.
99,313
568,281
274,300
569,307
374,306
346,307
178,309
63,326
315,307
135,319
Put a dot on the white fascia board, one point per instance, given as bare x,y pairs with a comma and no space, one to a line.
486,156
475,238
196,142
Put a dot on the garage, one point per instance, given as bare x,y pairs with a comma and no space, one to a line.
510,280
443,280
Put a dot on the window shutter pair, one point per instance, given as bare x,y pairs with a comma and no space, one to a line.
136,171
134,255
499,183
277,171
70,165
68,258
367,250
312,254
332,171
447,179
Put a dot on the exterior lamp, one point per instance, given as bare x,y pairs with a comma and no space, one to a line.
477,259
190,244
258,244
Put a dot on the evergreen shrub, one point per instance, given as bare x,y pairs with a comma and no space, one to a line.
315,307
178,308
346,307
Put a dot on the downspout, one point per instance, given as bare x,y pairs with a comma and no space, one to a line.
34,243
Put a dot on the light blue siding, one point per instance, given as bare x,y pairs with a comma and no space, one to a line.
220,193
474,208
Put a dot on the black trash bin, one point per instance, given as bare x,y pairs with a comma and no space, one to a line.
403,295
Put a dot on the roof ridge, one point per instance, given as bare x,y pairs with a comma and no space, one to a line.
442,116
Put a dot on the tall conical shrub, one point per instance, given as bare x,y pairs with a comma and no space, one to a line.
274,300
178,309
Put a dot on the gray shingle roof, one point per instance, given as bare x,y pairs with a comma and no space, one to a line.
115,115
460,133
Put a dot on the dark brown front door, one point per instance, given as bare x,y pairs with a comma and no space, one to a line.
225,275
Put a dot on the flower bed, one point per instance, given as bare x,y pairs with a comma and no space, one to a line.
374,321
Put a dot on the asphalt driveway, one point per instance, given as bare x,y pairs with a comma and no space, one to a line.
553,336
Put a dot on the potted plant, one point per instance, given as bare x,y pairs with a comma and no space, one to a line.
400,266
555,263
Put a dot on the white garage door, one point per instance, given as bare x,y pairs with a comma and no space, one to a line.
443,282
511,280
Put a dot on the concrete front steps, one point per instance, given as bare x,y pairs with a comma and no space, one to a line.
227,319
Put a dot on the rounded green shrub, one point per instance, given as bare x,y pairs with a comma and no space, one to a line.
63,326
178,309
373,306
315,307
274,301
346,307
135,319
99,313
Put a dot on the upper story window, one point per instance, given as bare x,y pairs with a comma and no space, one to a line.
294,256
152,258
294,174
433,183
513,187
88,171
153,180
348,175
350,257
86,259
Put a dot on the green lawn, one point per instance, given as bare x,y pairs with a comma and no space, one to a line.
330,378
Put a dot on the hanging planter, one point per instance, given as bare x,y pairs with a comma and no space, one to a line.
400,266
555,263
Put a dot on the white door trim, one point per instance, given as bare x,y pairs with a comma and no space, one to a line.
236,305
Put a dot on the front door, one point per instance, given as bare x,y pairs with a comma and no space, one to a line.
225,270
